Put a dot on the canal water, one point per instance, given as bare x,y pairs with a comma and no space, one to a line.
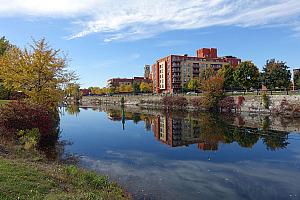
169,155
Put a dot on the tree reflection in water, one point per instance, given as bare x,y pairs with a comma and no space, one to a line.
207,130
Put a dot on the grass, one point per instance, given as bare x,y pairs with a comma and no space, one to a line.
20,179
2,102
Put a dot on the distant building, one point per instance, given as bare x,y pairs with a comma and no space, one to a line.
147,71
117,82
85,92
169,74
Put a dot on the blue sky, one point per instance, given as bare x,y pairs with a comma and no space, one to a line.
106,39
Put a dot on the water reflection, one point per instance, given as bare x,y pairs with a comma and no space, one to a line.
204,129
174,155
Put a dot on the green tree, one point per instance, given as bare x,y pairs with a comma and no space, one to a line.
297,80
40,72
247,75
73,90
136,87
227,72
193,84
276,74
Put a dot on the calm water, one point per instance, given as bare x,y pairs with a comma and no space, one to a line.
163,155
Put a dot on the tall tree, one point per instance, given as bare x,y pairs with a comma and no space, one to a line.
247,75
40,72
227,72
276,74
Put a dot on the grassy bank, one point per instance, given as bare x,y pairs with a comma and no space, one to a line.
2,102
21,179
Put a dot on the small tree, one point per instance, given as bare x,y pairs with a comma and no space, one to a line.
194,84
247,75
145,87
276,74
213,91
73,90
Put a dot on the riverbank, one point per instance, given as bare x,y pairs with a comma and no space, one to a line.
271,104
36,178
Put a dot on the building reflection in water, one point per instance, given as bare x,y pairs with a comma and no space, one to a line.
205,130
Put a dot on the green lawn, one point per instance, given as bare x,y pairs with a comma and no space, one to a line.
2,102
21,180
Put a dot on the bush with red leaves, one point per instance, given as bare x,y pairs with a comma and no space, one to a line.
18,115
227,104
174,102
240,101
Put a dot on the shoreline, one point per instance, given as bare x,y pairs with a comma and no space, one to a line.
285,105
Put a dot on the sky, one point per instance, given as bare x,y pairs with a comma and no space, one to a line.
106,39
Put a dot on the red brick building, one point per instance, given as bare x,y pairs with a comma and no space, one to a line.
171,73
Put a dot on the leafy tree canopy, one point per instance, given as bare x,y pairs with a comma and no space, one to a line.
40,72
276,74
193,84
227,72
247,75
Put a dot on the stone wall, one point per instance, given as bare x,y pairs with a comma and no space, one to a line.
252,103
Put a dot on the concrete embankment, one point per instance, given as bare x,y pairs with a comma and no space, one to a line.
250,103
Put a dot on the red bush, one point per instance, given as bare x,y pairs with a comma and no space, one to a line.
17,116
240,101
227,104
174,102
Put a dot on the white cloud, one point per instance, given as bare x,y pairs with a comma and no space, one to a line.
137,19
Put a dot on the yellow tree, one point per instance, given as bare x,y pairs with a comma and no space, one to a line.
40,72
145,87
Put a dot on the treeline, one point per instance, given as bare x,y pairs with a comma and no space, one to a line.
246,76
134,88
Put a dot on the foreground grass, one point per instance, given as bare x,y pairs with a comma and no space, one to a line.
2,102
20,179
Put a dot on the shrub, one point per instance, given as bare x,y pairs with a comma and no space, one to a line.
23,116
29,138
180,102
174,102
265,100
196,102
227,103
240,101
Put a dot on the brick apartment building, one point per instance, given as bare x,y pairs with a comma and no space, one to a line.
117,82
170,73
